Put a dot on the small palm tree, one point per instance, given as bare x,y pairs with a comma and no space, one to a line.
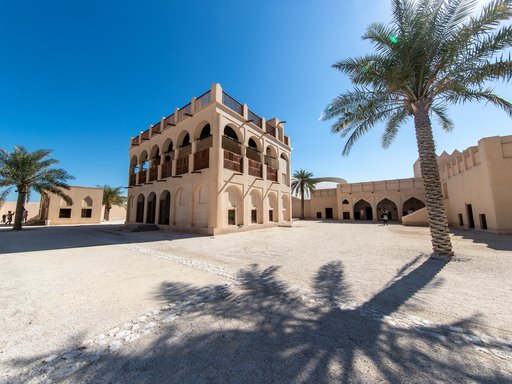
28,171
302,184
112,196
431,55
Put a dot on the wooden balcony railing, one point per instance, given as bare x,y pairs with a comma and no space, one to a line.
182,166
255,168
271,173
145,135
253,154
203,100
166,169
184,112
202,159
233,161
231,145
231,103
133,180
255,118
270,129
142,176
153,173
155,129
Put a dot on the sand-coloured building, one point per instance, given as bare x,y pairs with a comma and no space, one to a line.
212,166
477,188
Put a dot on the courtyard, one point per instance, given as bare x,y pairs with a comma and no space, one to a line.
315,302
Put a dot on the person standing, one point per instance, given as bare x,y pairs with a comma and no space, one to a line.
385,217
9,217
25,216
4,216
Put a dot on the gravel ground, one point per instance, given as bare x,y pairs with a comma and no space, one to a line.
318,302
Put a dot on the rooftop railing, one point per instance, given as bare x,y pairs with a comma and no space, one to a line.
145,135
203,100
169,121
270,129
155,128
184,112
232,103
135,140
255,118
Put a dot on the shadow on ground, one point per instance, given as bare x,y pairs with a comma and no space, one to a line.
492,240
33,239
262,331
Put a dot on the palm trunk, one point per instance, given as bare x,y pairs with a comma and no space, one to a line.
438,222
20,206
106,216
302,204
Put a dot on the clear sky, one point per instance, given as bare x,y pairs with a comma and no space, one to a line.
82,77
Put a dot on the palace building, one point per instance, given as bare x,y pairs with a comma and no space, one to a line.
212,166
477,191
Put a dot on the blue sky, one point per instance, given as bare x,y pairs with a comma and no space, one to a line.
97,72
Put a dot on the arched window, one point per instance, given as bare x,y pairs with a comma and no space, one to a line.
186,140
345,202
229,132
252,144
205,132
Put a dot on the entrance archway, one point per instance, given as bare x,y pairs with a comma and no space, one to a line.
363,210
139,217
150,218
390,207
412,205
165,208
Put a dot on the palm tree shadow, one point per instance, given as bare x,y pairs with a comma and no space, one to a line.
263,331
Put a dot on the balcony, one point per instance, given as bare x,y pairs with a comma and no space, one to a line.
203,100
202,159
133,180
255,119
153,173
169,121
145,135
271,173
270,129
255,168
233,161
142,176
184,112
166,169
182,166
155,129
135,141
231,103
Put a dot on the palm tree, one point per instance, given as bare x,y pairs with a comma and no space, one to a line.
28,171
431,55
302,184
112,196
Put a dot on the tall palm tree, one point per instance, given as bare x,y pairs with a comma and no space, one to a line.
432,54
112,196
302,184
28,171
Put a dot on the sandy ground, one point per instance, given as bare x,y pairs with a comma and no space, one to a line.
318,302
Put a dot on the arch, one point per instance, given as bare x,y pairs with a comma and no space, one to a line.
139,215
155,151
143,160
151,211
256,206
345,202
203,130
133,164
363,210
200,208
389,206
233,206
284,156
254,143
87,202
183,139
164,211
168,147
271,151
231,133
285,204
412,205
272,207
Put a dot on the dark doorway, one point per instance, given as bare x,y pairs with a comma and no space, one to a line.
270,215
231,217
139,217
483,221
329,213
369,213
461,220
471,220
165,208
363,210
150,218
346,215
319,215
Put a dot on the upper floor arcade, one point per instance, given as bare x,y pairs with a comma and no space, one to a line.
182,143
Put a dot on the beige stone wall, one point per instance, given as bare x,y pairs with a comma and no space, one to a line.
116,213
218,197
31,207
296,208
479,177
83,198
321,201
